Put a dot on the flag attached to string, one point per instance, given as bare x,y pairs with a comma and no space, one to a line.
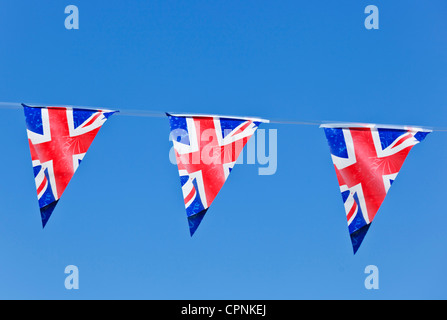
367,159
59,138
206,149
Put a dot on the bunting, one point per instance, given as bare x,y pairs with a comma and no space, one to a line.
367,160
59,138
206,149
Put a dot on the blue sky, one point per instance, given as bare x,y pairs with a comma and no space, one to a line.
122,219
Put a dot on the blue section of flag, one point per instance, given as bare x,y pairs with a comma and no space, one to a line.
107,115
36,170
184,180
358,222
336,141
33,118
196,206
80,116
420,136
195,220
179,129
388,136
358,236
228,125
195,211
345,195
45,212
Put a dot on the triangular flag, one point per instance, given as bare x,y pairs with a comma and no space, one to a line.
206,149
367,159
59,138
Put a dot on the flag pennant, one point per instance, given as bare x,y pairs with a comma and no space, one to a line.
367,159
59,138
206,150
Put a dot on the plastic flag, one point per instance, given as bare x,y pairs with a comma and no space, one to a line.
206,149
367,159
59,138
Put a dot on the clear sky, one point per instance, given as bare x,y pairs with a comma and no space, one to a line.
122,220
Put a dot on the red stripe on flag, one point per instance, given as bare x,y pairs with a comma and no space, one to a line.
351,212
403,139
190,195
42,185
93,120
245,126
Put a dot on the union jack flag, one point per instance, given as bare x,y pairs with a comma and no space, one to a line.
59,138
206,149
367,160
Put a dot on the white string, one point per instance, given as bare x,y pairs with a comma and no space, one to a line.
10,105
161,114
